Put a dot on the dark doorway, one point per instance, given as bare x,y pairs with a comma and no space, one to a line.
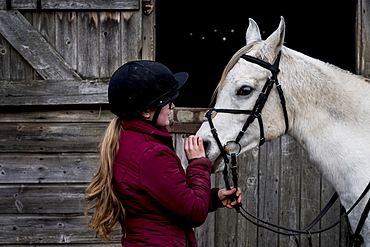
200,37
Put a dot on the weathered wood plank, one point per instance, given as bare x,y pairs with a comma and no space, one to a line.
268,191
33,47
180,115
149,41
109,53
42,199
44,23
225,219
331,237
131,36
180,125
47,229
73,4
4,59
290,196
205,234
248,183
67,36
50,137
189,115
17,67
93,114
363,38
53,92
184,128
47,168
185,120
310,190
88,44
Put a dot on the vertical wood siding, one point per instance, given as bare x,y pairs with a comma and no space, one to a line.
279,185
282,187
363,38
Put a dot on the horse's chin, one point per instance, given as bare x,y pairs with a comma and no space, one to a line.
216,158
218,165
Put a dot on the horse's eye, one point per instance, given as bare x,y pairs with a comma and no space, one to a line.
245,90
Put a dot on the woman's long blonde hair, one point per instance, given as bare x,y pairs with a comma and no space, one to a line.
101,194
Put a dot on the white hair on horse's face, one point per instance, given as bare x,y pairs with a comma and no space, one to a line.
328,113
239,76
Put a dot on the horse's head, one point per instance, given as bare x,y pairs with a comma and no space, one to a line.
240,86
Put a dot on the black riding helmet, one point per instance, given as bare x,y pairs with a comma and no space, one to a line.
141,85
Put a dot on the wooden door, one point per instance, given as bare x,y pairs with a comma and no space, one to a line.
56,58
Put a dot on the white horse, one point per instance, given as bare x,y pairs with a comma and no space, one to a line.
328,113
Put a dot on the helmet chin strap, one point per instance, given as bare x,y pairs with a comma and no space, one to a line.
156,115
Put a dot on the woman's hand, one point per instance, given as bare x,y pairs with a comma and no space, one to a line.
194,147
230,198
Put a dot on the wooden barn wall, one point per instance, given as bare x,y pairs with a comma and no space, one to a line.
54,68
55,62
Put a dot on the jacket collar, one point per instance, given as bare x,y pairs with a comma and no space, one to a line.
146,127
159,133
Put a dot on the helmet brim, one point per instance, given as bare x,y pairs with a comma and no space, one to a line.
181,78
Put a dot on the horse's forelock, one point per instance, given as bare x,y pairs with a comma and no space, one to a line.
235,58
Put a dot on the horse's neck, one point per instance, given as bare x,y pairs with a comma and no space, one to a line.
330,109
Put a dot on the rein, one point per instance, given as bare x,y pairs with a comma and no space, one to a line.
233,148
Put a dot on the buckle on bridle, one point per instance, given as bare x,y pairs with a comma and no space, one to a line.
232,147
209,114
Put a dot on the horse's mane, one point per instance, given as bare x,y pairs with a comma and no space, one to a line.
235,58
229,66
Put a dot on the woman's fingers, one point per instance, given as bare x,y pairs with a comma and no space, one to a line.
194,147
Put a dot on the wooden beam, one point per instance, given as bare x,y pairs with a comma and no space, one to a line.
34,48
50,137
28,168
180,115
178,128
187,115
185,120
49,229
42,198
53,92
90,115
71,4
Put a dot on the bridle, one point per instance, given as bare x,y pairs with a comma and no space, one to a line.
233,148
255,113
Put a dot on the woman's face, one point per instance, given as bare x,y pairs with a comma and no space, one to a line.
163,117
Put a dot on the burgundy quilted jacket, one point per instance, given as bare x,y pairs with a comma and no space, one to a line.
162,202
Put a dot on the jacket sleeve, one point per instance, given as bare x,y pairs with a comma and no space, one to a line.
215,201
187,197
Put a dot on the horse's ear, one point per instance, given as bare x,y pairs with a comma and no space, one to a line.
275,41
253,32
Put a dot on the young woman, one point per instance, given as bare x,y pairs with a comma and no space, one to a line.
140,182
